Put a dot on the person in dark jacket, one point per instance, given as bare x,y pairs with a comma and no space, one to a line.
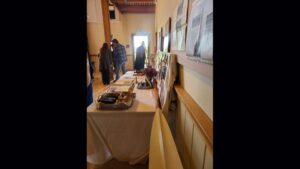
105,60
140,57
119,57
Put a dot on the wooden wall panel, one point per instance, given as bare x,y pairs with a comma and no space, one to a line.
188,137
192,145
198,149
208,163
200,118
180,118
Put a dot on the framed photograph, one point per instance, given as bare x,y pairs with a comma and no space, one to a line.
199,43
156,37
161,40
180,35
158,47
179,26
182,10
173,30
167,36
166,77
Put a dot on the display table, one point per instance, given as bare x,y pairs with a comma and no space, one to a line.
121,134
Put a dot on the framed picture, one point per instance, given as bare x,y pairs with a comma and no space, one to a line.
199,43
158,40
167,36
180,24
166,77
173,30
161,40
182,10
156,37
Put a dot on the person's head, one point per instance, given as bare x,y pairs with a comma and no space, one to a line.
115,42
105,46
143,43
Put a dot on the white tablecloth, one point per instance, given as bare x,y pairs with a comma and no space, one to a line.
121,134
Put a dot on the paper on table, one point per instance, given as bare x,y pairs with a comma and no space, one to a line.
119,88
124,82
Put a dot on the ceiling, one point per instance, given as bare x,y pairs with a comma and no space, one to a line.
135,6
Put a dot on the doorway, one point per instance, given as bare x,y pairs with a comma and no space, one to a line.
137,41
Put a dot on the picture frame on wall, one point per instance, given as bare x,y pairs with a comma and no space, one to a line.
179,25
173,30
158,41
198,54
155,47
161,40
167,36
199,43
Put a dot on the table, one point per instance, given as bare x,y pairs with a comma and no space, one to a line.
121,134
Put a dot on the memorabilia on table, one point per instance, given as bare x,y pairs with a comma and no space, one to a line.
162,65
145,84
139,73
117,97
124,81
148,82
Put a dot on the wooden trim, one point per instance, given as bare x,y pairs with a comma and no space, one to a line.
136,8
106,20
202,68
204,123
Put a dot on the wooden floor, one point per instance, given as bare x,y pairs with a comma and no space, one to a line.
112,164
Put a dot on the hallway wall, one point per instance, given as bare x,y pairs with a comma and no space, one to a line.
193,147
201,89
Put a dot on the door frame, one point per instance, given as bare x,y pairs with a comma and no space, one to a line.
132,43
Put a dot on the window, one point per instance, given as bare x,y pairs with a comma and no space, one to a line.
112,12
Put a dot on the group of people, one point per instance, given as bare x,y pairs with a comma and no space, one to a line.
116,60
112,59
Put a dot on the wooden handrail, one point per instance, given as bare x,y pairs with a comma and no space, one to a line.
204,123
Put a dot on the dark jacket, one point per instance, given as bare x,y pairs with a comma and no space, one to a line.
140,58
105,59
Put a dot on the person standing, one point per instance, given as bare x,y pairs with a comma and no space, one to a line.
119,57
105,60
140,57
